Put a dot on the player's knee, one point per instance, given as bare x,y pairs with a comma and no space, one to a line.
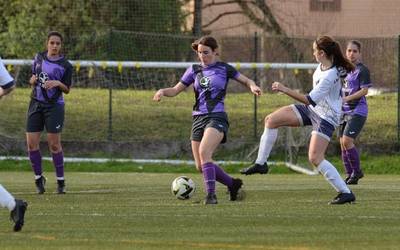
315,159
347,144
55,147
269,121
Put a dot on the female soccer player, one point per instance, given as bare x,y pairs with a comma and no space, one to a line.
321,108
16,207
355,111
51,77
210,122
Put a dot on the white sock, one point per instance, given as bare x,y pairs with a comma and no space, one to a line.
333,177
6,199
267,141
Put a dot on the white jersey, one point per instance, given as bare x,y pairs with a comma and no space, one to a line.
326,98
5,77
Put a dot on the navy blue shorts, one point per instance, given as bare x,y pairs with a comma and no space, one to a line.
45,115
307,117
218,121
351,125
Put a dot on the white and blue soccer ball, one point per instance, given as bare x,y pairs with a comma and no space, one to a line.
183,187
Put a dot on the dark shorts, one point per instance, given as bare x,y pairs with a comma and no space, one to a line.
351,125
218,121
44,115
307,117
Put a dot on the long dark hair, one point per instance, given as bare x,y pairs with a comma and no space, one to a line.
333,50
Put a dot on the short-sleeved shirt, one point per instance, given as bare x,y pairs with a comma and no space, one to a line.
209,84
354,81
6,80
46,69
326,96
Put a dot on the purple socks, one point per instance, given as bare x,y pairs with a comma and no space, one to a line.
58,161
351,161
212,173
36,161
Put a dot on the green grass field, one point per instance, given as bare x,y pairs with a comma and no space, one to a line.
137,117
137,211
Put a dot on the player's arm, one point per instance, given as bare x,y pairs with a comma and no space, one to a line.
5,91
357,95
170,92
55,83
277,86
250,84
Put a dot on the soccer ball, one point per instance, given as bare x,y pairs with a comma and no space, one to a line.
183,187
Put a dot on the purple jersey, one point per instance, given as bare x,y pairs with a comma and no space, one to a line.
46,69
209,85
354,81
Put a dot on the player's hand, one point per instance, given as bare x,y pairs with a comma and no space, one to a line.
278,87
255,90
33,80
51,84
157,96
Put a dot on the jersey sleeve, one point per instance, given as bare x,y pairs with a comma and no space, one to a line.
188,77
364,76
232,72
6,81
67,77
321,90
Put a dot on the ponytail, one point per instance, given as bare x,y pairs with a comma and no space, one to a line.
333,50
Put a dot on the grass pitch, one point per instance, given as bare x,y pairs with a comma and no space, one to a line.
137,211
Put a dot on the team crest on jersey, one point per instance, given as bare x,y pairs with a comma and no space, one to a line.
42,78
205,82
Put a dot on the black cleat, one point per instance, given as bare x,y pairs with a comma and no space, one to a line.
347,179
353,180
343,198
234,190
17,215
40,183
256,168
211,199
61,187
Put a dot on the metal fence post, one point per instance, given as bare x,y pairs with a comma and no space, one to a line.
255,77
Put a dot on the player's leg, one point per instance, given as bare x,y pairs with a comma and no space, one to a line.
54,122
316,156
353,129
210,141
345,159
285,116
16,207
213,136
34,127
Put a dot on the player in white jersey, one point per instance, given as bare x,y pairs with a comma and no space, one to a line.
321,109
16,207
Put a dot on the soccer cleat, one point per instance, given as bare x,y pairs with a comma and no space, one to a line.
211,199
17,215
40,183
355,176
343,198
347,178
234,190
61,187
256,168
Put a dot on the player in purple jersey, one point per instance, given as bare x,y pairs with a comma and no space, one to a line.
355,111
51,77
16,207
210,122
321,109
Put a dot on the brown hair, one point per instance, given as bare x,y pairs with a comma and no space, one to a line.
54,33
333,50
208,41
356,43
